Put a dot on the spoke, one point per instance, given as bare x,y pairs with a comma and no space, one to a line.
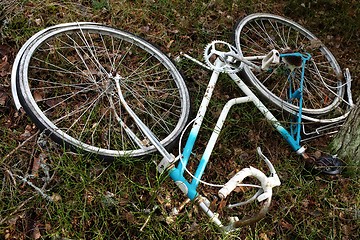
75,47
57,84
79,74
81,56
109,132
123,57
135,141
277,31
67,60
75,111
98,64
116,54
255,42
72,95
93,103
107,52
156,115
148,89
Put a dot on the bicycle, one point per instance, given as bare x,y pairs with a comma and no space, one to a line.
110,93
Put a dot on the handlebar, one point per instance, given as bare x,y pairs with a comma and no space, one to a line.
267,183
263,195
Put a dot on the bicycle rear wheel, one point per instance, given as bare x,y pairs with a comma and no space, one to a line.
66,84
323,92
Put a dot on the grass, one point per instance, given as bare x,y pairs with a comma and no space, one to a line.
127,199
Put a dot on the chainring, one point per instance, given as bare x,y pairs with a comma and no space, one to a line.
223,51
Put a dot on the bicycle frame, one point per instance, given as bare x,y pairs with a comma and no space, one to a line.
189,188
177,173
226,62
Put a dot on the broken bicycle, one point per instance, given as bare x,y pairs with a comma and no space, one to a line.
110,93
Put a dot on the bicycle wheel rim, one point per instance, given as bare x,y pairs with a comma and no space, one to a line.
321,94
174,96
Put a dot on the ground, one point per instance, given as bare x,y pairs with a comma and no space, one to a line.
93,199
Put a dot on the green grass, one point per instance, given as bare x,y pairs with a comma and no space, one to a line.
127,199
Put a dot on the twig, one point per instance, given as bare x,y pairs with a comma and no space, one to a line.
16,210
176,211
19,146
11,175
148,219
44,195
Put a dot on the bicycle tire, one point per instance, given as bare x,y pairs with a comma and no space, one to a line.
323,92
65,85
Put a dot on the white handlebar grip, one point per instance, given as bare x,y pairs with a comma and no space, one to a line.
239,177
267,183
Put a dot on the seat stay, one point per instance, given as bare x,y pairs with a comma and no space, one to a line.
268,115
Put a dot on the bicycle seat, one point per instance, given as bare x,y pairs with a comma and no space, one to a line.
329,165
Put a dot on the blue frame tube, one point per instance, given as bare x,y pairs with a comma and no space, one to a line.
298,93
211,144
177,173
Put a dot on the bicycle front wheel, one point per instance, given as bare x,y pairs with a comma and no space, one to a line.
66,84
323,91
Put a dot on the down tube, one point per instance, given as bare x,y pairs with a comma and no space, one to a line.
286,135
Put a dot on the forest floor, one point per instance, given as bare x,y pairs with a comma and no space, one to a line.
127,199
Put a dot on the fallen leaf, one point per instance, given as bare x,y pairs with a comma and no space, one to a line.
38,21
170,219
221,205
169,44
4,67
194,226
36,232
25,135
263,236
286,225
239,189
37,97
3,98
129,217
36,166
56,197
47,227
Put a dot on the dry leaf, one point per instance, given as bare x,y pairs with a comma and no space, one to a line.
4,67
38,97
286,225
56,197
129,217
263,236
239,189
25,135
169,44
222,204
38,21
36,232
36,166
3,98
